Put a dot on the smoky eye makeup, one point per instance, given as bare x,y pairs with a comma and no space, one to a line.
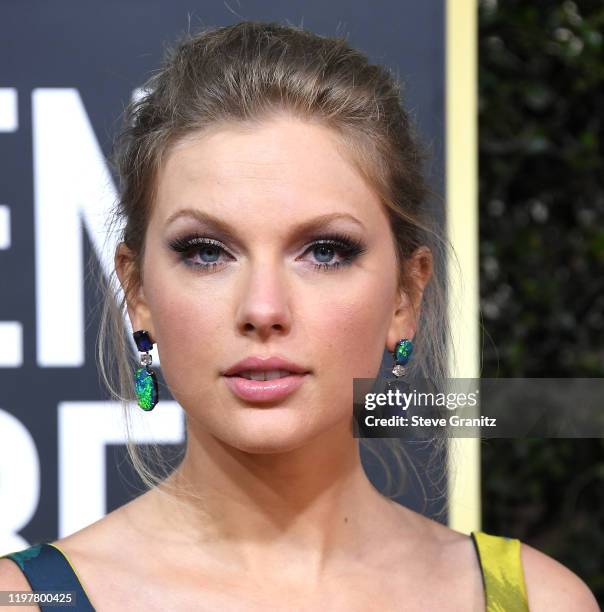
326,251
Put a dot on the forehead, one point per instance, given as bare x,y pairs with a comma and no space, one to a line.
282,166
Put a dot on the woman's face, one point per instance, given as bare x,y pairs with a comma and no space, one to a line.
266,286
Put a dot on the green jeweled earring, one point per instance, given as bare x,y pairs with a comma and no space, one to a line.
145,380
402,354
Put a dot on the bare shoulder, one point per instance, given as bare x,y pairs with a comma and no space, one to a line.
12,579
91,551
552,586
111,532
448,557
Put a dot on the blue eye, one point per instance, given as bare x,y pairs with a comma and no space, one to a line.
323,250
326,248
204,253
211,250
191,248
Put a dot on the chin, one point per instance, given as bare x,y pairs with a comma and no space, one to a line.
265,447
268,434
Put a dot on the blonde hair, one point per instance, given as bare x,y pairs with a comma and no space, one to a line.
246,73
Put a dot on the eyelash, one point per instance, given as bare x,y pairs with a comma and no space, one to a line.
348,247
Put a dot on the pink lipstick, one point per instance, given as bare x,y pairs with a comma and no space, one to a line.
265,379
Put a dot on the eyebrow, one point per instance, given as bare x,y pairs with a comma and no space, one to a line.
225,228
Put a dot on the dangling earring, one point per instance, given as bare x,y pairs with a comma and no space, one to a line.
401,355
145,380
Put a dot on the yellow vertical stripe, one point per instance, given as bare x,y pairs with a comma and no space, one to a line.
502,572
462,230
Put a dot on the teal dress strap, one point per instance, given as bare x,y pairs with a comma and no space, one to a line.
47,569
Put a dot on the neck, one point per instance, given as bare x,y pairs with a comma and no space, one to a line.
310,505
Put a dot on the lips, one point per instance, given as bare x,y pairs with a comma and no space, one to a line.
265,364
264,390
263,375
265,379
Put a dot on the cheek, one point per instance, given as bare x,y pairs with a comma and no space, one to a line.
189,329
351,327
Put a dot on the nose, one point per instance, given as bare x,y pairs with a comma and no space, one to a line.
263,307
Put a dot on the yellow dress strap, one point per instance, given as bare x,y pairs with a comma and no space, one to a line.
502,573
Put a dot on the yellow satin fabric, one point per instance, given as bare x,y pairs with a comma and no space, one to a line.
502,573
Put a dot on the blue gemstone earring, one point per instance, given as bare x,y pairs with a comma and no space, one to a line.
401,355
145,380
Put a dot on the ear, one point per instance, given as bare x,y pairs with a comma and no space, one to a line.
418,270
131,281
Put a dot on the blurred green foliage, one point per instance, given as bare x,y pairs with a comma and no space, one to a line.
541,166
